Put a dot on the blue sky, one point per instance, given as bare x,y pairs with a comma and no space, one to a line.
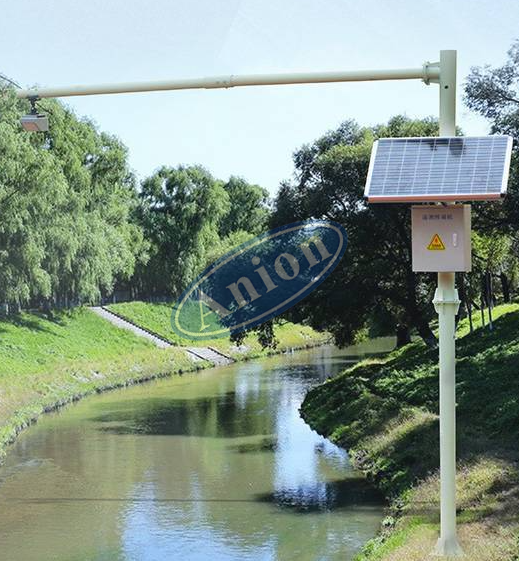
250,132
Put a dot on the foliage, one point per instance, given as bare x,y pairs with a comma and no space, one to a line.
66,199
180,212
222,246
494,94
265,333
191,219
248,211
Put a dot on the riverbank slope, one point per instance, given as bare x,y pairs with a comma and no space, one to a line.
385,412
49,360
156,318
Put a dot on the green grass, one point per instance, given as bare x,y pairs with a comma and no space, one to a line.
385,412
30,342
154,317
157,318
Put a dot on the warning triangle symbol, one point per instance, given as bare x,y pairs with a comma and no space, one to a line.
436,244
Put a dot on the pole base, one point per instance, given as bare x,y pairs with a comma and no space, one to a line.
448,547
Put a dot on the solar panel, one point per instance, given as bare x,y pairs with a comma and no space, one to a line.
438,169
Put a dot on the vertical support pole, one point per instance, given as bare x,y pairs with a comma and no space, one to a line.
446,303
447,93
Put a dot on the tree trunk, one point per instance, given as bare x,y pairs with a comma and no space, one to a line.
505,286
466,301
426,334
415,315
469,314
490,298
486,297
403,335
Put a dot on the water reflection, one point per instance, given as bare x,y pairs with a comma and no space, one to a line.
216,465
325,496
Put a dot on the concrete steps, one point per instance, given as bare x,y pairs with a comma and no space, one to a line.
211,355
119,321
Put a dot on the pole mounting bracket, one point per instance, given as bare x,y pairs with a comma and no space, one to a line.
431,73
442,300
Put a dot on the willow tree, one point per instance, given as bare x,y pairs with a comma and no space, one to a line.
65,203
181,210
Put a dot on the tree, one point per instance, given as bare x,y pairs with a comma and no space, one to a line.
181,211
248,210
494,94
375,275
65,204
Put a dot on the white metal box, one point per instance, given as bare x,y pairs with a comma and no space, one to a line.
441,238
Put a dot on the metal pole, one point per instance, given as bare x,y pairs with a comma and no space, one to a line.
428,72
446,303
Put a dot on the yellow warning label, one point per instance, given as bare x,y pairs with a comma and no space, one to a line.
436,244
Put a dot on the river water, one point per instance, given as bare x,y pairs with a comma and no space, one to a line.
215,465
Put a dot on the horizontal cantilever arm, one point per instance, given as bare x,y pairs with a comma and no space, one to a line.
428,72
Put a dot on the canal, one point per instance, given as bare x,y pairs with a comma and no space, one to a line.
215,465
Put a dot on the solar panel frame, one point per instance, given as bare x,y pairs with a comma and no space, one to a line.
440,196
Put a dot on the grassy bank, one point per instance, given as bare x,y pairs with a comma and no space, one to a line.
157,317
385,412
47,361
